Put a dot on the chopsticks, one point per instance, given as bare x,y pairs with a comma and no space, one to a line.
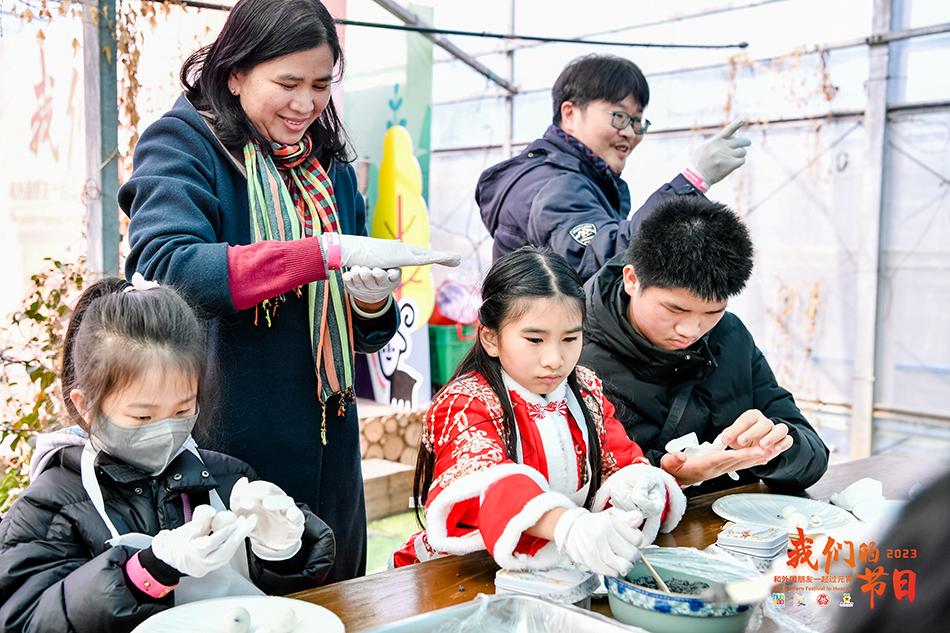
656,576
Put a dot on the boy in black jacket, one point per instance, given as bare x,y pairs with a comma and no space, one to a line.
673,361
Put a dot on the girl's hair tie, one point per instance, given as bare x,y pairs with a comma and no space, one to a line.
139,282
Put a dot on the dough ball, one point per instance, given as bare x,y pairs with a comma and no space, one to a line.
222,520
788,511
237,621
282,620
796,520
815,521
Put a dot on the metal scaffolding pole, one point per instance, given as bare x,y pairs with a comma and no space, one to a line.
412,19
869,249
510,97
102,137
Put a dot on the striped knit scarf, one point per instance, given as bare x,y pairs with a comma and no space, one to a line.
279,212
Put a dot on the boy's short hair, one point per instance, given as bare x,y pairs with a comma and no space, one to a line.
693,243
594,77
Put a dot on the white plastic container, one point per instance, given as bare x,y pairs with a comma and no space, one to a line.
760,563
757,544
756,540
567,586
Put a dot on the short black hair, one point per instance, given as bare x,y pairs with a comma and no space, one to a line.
693,243
593,77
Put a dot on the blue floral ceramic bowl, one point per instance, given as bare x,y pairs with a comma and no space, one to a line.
660,612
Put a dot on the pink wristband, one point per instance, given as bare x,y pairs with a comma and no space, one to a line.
695,180
143,580
334,251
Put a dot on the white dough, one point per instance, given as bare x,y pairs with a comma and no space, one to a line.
690,446
222,520
815,520
237,621
282,620
796,520
787,511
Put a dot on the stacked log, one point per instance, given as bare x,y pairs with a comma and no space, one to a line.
389,433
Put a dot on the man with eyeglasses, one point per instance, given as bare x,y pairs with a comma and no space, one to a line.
565,192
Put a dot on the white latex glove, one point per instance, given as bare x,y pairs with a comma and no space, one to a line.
638,487
279,521
376,253
601,541
371,285
193,550
647,491
717,157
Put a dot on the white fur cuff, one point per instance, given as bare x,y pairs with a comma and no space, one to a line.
471,486
545,558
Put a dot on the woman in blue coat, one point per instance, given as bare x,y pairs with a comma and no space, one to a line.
228,192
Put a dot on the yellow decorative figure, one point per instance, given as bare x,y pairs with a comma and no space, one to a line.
401,214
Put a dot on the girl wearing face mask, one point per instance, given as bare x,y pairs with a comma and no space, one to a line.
521,453
116,524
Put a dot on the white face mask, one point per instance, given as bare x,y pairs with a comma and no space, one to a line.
150,447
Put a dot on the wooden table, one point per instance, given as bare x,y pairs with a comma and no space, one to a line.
401,593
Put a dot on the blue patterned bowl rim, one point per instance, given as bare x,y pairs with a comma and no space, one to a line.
679,603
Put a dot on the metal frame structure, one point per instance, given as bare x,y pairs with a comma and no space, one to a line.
102,184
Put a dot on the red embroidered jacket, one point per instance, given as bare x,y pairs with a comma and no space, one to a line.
480,499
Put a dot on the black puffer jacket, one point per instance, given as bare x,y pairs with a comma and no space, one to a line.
58,574
726,372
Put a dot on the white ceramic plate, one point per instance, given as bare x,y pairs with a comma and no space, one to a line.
878,509
766,509
207,616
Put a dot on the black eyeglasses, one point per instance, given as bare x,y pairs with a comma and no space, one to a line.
620,120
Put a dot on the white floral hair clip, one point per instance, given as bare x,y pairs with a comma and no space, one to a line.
140,283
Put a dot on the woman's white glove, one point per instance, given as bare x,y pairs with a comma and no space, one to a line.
719,156
604,542
193,550
280,522
371,285
371,252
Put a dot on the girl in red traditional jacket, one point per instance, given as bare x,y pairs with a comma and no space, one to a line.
521,454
